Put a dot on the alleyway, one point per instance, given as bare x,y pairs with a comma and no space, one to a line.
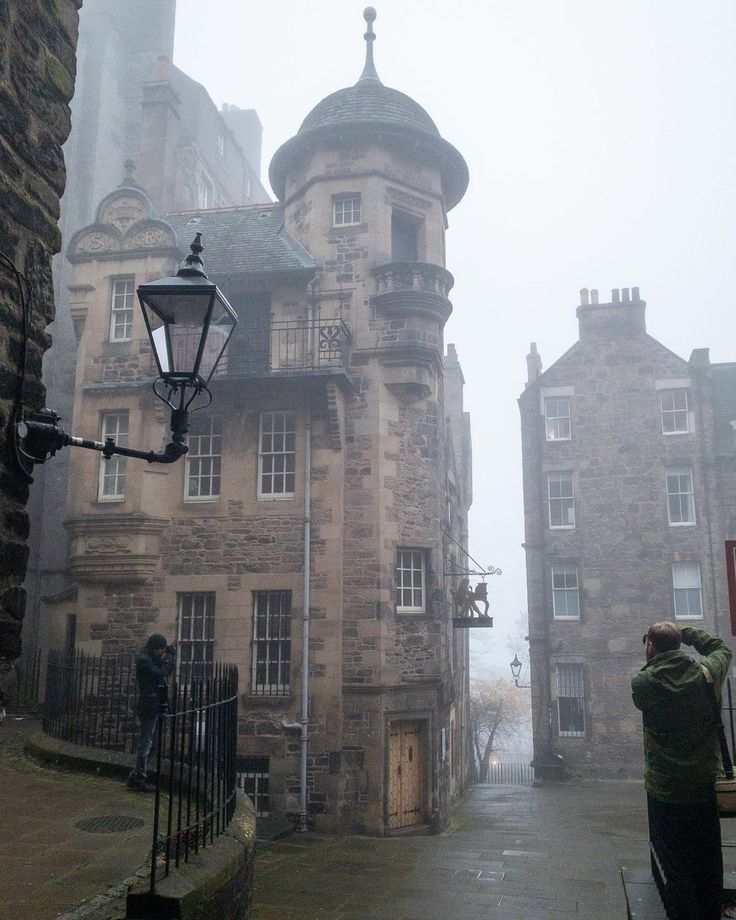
512,852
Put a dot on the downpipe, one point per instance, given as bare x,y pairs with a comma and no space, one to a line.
304,721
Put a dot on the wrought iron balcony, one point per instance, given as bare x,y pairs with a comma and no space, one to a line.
284,347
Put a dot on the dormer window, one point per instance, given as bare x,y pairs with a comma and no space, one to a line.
345,210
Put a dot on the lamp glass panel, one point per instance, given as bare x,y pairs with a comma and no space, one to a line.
218,334
185,313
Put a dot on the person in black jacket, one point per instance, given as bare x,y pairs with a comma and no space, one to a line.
152,666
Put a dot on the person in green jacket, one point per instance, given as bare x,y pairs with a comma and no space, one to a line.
682,760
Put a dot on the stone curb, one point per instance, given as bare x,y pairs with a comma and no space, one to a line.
89,760
215,882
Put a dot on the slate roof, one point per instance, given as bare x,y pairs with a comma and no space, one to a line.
369,101
244,240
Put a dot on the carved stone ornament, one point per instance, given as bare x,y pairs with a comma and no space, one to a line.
122,212
97,241
100,546
148,237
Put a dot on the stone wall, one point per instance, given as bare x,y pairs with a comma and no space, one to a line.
37,69
622,543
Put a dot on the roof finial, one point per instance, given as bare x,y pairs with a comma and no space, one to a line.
369,71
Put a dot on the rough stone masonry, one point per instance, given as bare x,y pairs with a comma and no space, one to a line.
37,69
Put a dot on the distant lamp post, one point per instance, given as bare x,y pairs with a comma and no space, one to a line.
516,672
189,323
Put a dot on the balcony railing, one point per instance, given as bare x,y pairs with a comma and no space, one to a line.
287,347
422,277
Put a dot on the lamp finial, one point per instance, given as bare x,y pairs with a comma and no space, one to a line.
193,264
369,71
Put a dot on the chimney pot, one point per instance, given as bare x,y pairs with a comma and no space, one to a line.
594,296
615,296
635,294
584,297
625,293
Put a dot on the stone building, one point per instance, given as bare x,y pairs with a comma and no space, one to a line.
629,493
37,67
134,114
326,489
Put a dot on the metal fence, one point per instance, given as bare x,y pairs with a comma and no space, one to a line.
28,672
510,773
91,700
196,768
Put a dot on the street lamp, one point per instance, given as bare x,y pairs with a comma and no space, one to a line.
516,672
189,323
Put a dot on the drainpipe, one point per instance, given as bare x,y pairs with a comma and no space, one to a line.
304,721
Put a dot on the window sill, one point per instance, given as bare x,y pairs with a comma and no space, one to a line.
683,524
286,497
201,500
562,526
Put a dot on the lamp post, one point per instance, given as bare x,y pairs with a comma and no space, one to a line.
516,672
189,323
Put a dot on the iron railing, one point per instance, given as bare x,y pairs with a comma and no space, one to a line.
288,346
510,773
28,672
91,700
196,768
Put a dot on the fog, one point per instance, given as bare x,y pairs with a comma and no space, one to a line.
601,141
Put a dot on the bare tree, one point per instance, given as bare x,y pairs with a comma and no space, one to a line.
498,711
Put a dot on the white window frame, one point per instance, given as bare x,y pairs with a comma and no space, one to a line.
195,629
565,574
690,587
252,782
678,496
561,500
277,455
115,425
673,411
343,216
122,304
221,142
271,646
205,192
574,680
555,422
411,580
203,468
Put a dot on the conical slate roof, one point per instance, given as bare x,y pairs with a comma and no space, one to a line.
369,101
371,110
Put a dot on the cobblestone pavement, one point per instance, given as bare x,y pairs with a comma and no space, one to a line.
512,852
47,864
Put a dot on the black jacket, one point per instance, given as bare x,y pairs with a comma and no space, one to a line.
151,675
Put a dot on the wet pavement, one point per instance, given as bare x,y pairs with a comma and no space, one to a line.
512,852
48,864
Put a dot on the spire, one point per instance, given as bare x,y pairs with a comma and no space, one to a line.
369,71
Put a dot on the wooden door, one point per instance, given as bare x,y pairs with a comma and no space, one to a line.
406,757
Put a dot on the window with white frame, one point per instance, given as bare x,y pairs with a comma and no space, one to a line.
680,496
205,192
570,700
220,142
561,496
113,472
686,590
204,459
557,418
277,455
121,309
675,412
410,579
252,778
271,666
565,591
195,633
345,210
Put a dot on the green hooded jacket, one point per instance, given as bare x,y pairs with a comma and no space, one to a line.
681,747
